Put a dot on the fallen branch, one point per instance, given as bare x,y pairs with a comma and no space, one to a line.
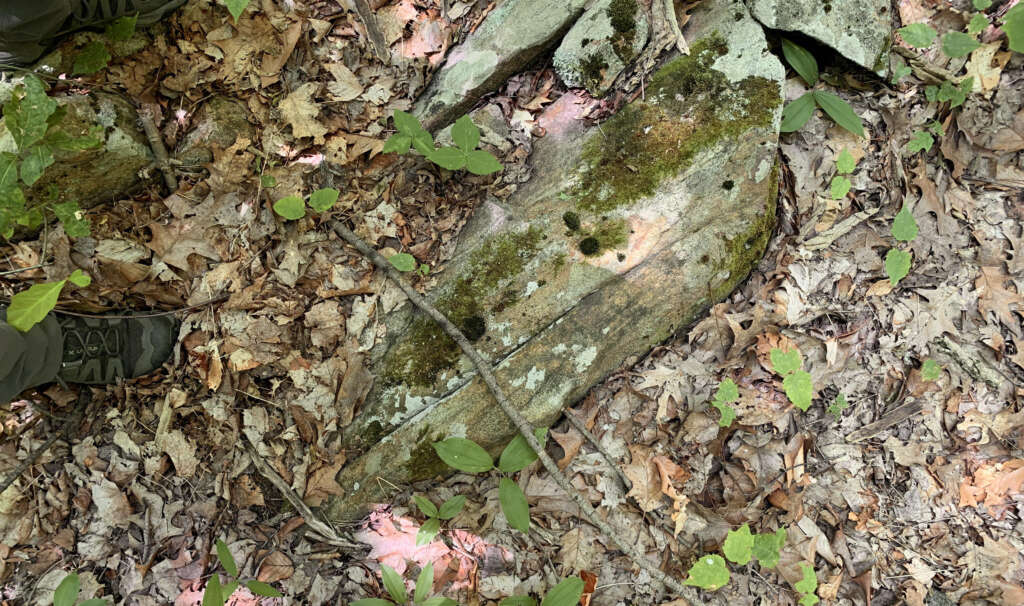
522,425
156,143
377,41
84,397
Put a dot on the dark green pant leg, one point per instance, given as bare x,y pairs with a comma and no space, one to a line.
28,358
27,27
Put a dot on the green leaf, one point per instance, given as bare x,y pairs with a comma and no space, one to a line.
38,158
738,545
727,391
897,265
93,602
465,134
228,590
451,508
27,111
837,406
58,139
808,600
1013,25
900,73
930,370
8,170
423,142
407,123
80,278
393,583
904,227
567,593
797,112
464,455
67,591
268,181
808,584
519,600
709,572
845,162
291,208
212,595
76,224
799,389
29,307
958,44
424,583
921,141
403,261
840,111
263,589
978,22
450,158
91,59
323,199
801,60
428,531
728,413
518,453
438,600
371,602
226,559
785,362
981,4
768,546
514,505
235,7
955,95
918,35
839,187
425,506
397,143
481,162
122,28
931,92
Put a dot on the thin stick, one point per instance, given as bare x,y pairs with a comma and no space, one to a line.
84,397
524,426
156,142
580,427
380,46
153,314
18,271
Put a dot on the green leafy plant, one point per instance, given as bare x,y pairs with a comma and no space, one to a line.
29,307
216,594
796,113
795,381
395,586
96,55
467,455
448,510
807,586
930,370
897,261
405,262
66,593
465,134
838,405
841,184
727,392
710,571
236,7
567,593
294,207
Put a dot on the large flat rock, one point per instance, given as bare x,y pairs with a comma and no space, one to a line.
626,233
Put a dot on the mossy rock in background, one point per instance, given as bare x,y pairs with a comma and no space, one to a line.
219,121
609,35
624,235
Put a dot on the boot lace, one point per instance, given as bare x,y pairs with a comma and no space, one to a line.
103,10
91,343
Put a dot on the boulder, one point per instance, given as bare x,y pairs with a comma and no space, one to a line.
625,234
219,121
601,44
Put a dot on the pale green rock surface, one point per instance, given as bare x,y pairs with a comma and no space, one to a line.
672,239
601,44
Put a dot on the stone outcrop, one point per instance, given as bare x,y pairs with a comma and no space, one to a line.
601,44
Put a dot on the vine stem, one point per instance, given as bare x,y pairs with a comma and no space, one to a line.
522,425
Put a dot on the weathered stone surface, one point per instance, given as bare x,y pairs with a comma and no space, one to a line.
218,122
601,44
624,235
858,30
508,39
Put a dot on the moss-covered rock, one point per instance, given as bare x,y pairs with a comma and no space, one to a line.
601,44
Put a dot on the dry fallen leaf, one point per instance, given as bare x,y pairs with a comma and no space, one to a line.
300,111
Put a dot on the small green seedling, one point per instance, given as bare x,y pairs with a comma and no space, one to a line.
897,261
841,185
930,370
727,392
567,593
464,155
710,572
837,406
216,594
797,112
294,207
66,593
395,586
807,586
448,510
797,382
236,7
29,307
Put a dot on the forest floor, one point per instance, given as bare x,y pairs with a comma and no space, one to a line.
911,494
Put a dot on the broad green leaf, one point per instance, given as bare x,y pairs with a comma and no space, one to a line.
840,111
72,217
709,572
845,162
8,170
91,59
403,261
900,73
29,307
921,141
518,453
122,28
27,111
727,391
918,35
567,593
785,362
480,162
464,455
38,158
958,44
235,7
93,602
465,134
797,112
407,123
837,406
31,218
263,589
514,505
58,139
371,602
428,531
728,413
423,142
768,546
291,208
393,583
808,584
67,591
228,590
518,600
226,559
451,508
904,227
397,143
897,265
930,370
1013,25
323,199
425,506
839,187
80,278
268,181
438,600
978,22
213,596
424,583
808,600
802,61
738,545
450,158
799,389
981,4
955,94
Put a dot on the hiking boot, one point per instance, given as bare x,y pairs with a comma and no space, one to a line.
100,351
90,13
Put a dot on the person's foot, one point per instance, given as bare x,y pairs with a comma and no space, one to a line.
90,13
98,351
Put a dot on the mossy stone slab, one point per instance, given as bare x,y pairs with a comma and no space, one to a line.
601,44
625,234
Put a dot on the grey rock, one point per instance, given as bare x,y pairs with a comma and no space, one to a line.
219,121
601,44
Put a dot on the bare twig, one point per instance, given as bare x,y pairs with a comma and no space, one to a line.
580,427
377,41
522,425
18,271
156,142
84,397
